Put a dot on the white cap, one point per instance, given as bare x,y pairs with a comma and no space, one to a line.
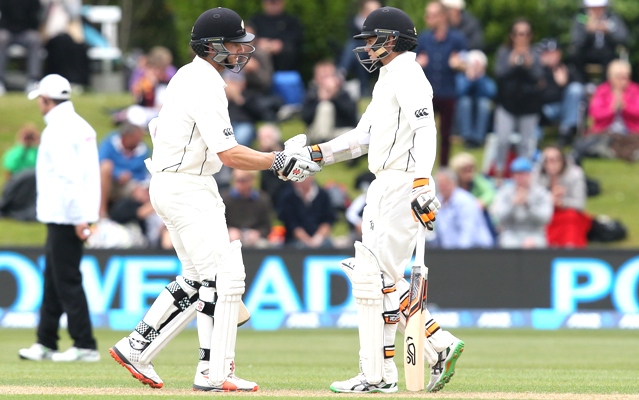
52,86
456,4
136,115
595,3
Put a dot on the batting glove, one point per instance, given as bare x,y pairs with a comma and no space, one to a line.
423,203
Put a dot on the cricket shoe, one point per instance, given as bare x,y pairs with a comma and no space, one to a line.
444,368
77,354
231,384
359,384
36,352
127,353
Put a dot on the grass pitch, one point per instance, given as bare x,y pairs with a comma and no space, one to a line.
497,364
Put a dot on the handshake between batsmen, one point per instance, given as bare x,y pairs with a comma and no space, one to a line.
298,161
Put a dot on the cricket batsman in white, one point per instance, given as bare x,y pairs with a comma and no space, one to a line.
192,138
399,134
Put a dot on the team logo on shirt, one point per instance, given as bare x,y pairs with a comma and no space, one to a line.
228,132
421,113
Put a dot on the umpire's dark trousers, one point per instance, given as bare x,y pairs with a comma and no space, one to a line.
63,292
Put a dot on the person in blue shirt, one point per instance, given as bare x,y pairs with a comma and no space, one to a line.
440,51
122,156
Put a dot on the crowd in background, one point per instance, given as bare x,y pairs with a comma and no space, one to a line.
523,196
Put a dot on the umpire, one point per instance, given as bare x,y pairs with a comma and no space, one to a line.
68,185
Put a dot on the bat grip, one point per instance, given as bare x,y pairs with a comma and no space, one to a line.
420,247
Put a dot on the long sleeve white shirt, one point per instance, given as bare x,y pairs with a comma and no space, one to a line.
67,169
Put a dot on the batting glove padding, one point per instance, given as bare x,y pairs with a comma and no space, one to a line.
294,165
423,202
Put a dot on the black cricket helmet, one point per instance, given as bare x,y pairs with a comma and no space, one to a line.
384,23
218,26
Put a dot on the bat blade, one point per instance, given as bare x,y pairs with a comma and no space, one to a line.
414,334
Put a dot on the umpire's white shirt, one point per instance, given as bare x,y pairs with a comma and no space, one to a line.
193,124
67,169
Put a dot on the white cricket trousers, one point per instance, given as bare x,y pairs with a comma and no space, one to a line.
388,227
193,211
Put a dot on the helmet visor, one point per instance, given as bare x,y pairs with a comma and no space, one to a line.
219,53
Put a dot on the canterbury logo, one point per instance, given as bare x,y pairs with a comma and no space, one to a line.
421,113
228,132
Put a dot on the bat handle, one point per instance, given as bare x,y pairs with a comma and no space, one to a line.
420,247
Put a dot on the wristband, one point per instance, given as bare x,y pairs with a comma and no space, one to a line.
316,153
279,160
419,182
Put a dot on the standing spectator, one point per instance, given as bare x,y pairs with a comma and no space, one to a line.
566,182
614,107
562,92
438,53
474,104
22,156
522,209
248,210
463,21
460,221
279,34
149,84
328,110
348,59
595,35
307,214
122,156
19,23
68,185
518,73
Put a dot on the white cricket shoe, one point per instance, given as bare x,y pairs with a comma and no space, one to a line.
77,354
444,368
359,384
36,352
127,356
231,384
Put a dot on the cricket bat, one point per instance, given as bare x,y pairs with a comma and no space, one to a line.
414,335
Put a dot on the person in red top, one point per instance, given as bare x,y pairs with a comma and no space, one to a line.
614,107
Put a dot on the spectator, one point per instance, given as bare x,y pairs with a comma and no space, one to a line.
614,107
355,211
328,110
122,156
463,21
307,214
475,91
19,24
595,35
518,73
22,156
562,92
522,209
242,116
248,210
279,34
566,182
269,138
160,59
148,83
438,53
460,221
348,60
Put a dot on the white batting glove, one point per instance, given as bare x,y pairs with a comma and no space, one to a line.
294,165
423,203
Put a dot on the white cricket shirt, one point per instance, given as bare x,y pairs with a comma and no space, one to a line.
193,124
402,104
67,169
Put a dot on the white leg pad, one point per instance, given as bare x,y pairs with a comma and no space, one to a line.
230,287
367,290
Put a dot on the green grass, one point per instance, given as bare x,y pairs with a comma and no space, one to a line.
305,362
618,179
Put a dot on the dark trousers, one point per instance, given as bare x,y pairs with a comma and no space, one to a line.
446,109
63,292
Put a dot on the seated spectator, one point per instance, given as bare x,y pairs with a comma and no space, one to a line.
466,23
279,34
22,155
122,156
328,110
269,138
614,107
460,221
475,91
566,182
595,36
19,24
147,84
522,209
248,210
307,214
518,73
562,92
355,211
